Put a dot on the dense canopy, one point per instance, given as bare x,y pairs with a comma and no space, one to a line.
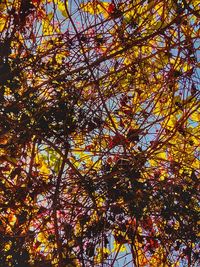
99,133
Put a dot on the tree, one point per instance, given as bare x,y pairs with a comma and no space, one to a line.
99,133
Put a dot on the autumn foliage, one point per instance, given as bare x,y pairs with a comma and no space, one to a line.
99,133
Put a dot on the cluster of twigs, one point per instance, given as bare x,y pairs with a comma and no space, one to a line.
99,132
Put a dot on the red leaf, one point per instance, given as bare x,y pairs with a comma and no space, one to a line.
111,8
117,140
36,1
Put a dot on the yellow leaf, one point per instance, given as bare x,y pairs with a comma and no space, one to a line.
94,7
47,28
119,247
41,237
161,155
158,25
91,7
196,164
101,253
195,116
160,8
7,246
195,3
61,7
60,56
170,122
12,219
42,165
2,24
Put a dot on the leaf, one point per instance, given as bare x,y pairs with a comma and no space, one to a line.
41,237
96,7
101,253
111,8
12,219
44,169
119,246
91,7
170,123
37,2
2,6
47,28
2,23
195,116
161,155
158,25
61,7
